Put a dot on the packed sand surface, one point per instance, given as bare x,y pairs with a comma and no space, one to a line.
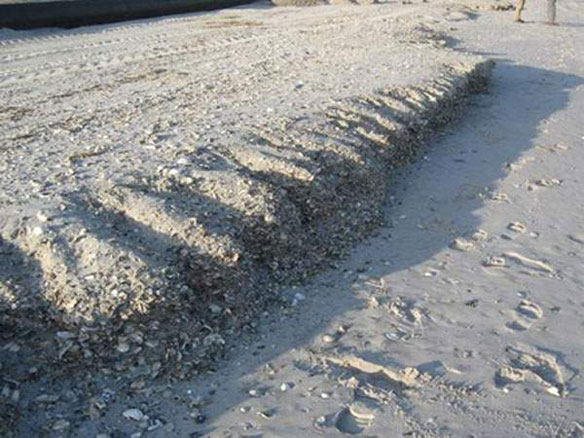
164,181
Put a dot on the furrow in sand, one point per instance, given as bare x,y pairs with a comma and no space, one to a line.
184,256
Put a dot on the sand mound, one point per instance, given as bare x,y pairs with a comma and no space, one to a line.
166,263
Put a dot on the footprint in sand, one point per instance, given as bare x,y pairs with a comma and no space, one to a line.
480,235
527,313
529,365
354,419
461,244
517,227
540,183
499,197
578,238
553,148
536,265
494,262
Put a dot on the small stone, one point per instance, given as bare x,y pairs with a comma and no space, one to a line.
214,308
325,395
200,419
134,414
284,387
321,420
328,339
253,392
42,217
38,231
154,424
123,347
65,335
299,297
46,398
267,414
61,425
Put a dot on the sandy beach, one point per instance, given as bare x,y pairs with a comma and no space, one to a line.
283,222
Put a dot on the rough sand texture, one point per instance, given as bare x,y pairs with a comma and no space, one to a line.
172,200
454,321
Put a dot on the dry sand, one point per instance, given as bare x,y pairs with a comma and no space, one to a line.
161,179
461,318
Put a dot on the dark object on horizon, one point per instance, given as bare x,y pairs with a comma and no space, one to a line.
74,13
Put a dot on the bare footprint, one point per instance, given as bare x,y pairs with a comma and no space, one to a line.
553,148
531,365
529,262
500,197
541,183
461,244
527,313
479,235
518,227
530,309
494,262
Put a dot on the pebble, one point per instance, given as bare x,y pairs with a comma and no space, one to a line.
61,425
65,335
328,339
123,347
214,308
284,387
134,414
38,231
42,217
46,398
